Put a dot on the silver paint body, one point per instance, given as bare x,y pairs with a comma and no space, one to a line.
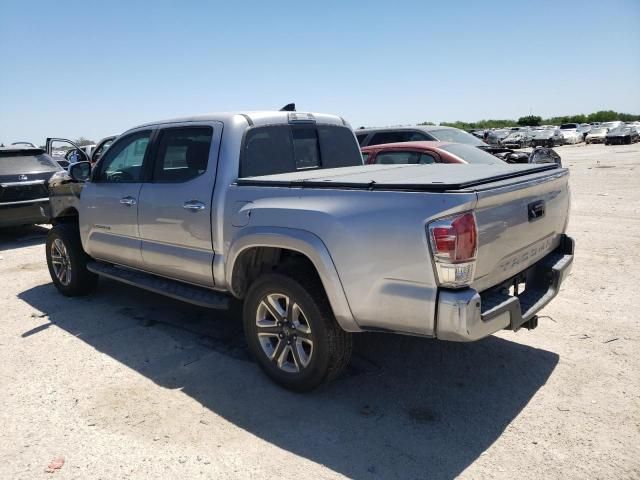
370,248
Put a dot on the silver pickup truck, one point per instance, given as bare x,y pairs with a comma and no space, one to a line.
276,209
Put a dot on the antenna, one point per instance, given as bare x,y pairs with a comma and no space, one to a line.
289,107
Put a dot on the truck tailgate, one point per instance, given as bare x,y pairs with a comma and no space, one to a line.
519,222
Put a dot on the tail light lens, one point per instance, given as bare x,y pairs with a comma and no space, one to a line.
454,244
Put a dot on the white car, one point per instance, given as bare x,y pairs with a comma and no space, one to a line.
571,137
571,133
597,135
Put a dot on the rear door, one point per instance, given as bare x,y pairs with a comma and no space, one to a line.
175,205
109,206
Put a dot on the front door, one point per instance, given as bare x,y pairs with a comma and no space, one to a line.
109,206
175,205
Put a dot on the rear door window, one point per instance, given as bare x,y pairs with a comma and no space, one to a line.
183,154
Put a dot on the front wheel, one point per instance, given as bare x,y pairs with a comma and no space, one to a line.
67,261
292,333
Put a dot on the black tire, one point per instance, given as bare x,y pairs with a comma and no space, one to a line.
332,346
79,281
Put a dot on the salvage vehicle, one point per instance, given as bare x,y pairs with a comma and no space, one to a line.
277,209
596,135
24,194
495,136
423,153
445,152
378,136
584,129
574,132
623,135
546,137
517,139
571,137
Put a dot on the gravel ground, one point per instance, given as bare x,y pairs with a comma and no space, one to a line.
126,384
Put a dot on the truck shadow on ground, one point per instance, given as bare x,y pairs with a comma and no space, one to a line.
19,237
407,408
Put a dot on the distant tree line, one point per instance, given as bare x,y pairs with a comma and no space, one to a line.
534,120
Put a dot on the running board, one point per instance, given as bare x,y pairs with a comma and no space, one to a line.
202,297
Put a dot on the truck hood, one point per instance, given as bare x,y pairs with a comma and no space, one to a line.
433,177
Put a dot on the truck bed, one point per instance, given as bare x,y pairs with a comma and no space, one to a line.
430,178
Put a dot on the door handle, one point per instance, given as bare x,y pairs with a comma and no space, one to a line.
128,201
194,206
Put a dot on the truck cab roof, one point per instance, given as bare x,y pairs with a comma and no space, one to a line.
257,118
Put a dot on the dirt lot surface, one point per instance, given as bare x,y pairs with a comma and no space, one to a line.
126,384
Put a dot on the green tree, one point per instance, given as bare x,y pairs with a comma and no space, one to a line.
603,116
530,121
427,123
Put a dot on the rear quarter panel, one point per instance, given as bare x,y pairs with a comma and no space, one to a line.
377,242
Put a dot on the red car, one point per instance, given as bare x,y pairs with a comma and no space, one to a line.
425,152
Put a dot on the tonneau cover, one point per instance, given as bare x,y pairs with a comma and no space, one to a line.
433,177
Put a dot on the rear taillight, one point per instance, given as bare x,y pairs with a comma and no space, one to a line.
454,243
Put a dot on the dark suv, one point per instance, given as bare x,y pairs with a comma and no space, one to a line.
24,191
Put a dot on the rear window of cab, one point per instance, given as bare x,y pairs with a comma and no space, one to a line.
288,148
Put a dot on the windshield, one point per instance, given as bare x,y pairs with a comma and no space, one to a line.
568,126
472,154
17,162
455,135
610,124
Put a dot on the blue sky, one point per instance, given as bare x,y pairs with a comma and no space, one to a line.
91,69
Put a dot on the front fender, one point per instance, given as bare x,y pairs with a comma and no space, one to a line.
307,244
64,194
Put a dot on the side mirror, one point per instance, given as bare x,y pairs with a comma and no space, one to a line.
80,172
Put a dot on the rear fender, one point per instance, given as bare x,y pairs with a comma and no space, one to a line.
307,244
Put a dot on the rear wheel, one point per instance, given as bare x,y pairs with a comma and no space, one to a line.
67,261
292,332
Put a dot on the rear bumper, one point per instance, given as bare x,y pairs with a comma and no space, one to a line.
466,315
24,212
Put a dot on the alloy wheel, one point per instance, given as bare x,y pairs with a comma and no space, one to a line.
61,262
284,332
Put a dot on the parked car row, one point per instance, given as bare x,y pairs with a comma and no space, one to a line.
615,132
421,133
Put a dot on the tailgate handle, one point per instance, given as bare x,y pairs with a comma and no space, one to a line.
536,210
